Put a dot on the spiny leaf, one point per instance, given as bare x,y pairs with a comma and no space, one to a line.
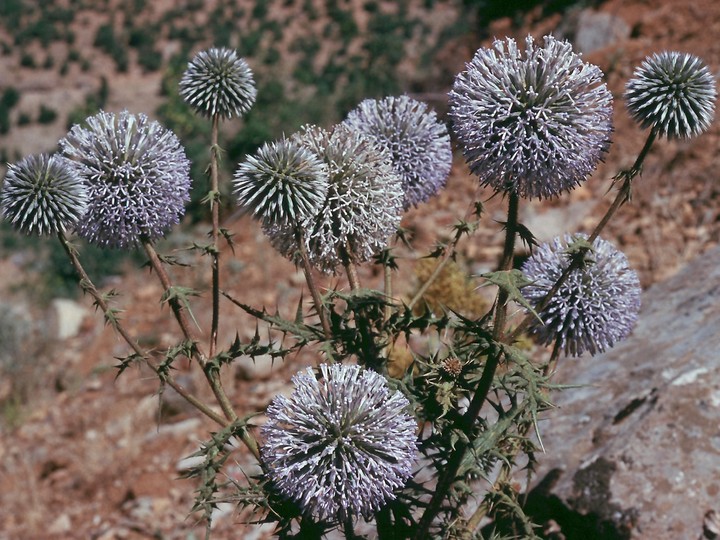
126,362
511,281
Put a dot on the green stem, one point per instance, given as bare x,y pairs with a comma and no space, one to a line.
307,270
89,286
215,211
467,420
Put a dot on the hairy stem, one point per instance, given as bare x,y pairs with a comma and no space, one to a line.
89,287
307,270
215,254
447,477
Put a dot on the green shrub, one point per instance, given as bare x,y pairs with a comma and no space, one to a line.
47,115
27,60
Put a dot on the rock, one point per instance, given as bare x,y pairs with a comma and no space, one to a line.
591,30
61,525
633,452
69,315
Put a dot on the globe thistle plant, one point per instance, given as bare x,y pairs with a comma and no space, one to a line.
339,446
137,178
417,142
533,123
363,205
673,93
283,183
597,305
218,82
42,195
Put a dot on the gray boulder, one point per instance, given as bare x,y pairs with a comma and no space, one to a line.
634,452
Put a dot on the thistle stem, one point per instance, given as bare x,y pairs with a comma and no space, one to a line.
88,286
211,375
467,420
317,299
215,254
388,291
350,268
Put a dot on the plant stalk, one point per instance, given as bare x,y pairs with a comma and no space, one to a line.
89,286
215,254
177,308
484,385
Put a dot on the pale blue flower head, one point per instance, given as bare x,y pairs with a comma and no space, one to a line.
42,195
137,178
597,305
339,446
218,82
673,93
418,143
284,183
533,122
363,205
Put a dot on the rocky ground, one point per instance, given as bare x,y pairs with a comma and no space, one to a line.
90,456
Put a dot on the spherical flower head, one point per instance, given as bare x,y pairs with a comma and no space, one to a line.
218,82
42,195
137,178
533,123
339,446
597,305
362,207
283,184
673,93
417,142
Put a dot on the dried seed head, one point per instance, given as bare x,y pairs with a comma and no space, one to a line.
417,142
596,307
339,446
673,93
535,123
137,178
42,195
218,81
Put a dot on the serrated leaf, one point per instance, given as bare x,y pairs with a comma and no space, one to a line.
511,281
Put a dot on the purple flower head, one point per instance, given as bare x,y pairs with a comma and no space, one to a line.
42,195
283,183
218,81
596,307
137,178
362,207
418,144
534,123
339,446
673,93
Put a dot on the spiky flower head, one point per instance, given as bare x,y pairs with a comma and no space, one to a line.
598,304
137,178
533,123
673,93
341,445
418,143
363,205
284,183
218,81
42,195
